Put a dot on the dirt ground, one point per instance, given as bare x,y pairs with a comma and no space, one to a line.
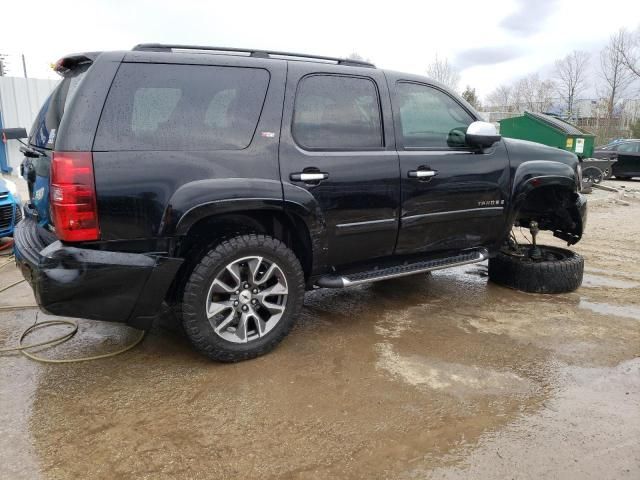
441,376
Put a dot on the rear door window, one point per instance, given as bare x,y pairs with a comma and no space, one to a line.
629,147
337,112
182,107
45,128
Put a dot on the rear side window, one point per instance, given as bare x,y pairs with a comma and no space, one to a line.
334,112
182,107
45,128
430,118
629,147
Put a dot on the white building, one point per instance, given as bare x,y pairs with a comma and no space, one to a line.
20,101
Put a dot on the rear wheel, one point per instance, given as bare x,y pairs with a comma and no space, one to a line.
593,175
556,270
242,298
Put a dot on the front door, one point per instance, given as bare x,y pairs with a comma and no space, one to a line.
337,155
628,160
452,197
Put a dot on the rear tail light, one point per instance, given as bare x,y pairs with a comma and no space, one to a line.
73,197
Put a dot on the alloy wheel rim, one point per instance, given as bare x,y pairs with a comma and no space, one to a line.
246,299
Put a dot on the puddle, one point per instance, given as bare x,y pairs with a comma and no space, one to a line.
614,273
595,281
608,309
588,430
454,378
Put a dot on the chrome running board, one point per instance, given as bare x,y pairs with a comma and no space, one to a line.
348,280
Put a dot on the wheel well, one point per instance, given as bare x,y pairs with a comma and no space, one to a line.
209,231
550,206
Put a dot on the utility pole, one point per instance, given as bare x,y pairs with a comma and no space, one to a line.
24,66
3,64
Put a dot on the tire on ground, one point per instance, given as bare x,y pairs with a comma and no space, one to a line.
197,327
557,276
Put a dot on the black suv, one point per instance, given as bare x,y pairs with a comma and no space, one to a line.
627,156
225,182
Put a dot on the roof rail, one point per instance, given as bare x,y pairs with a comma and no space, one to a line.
161,47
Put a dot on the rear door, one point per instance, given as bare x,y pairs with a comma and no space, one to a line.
452,196
337,155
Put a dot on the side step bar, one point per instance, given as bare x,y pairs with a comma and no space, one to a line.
341,281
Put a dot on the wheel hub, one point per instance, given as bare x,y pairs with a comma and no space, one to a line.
246,299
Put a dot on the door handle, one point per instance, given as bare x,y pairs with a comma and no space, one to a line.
308,176
422,173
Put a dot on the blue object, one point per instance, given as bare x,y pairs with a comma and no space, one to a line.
10,208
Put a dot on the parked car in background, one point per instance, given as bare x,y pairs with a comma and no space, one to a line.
10,207
610,144
627,154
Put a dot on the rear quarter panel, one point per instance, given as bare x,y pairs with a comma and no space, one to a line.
145,194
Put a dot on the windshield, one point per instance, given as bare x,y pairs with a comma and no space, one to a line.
44,129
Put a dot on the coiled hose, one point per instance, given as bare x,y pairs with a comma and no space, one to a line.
51,323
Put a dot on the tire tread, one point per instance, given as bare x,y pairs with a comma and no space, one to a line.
559,276
191,317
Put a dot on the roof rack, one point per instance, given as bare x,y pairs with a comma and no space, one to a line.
161,47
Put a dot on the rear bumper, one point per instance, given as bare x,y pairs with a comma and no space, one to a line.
93,284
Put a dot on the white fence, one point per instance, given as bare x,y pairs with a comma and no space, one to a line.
20,101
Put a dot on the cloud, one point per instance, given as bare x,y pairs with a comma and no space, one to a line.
529,17
486,56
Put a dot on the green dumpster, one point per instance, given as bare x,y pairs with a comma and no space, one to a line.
548,130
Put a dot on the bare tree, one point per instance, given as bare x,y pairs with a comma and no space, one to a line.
571,75
356,56
544,94
501,98
531,93
628,47
445,73
617,77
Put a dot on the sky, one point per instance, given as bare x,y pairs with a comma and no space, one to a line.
491,42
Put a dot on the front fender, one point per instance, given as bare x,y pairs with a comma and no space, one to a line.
538,174
535,173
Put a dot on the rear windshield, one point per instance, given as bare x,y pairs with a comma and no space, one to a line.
181,107
45,128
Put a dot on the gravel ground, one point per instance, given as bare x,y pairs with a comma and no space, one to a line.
435,376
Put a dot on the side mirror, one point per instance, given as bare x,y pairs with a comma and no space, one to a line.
12,134
482,135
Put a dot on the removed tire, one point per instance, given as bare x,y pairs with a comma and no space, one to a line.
242,298
559,271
